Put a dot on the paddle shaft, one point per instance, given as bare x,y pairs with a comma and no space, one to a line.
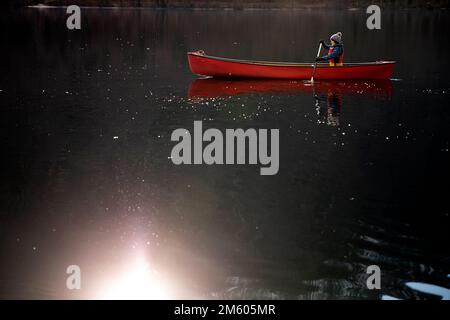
315,63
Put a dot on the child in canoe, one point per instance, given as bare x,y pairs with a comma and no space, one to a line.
335,54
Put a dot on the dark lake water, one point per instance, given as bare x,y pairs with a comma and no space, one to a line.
86,119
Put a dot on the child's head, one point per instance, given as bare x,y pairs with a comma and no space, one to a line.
336,38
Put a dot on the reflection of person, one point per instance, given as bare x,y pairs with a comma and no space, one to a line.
334,104
333,108
335,54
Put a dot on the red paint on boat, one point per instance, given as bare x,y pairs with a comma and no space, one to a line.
205,65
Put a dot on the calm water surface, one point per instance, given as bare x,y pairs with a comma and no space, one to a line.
86,119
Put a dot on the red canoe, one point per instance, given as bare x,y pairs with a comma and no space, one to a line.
205,65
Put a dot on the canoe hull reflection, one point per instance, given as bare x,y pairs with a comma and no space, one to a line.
209,88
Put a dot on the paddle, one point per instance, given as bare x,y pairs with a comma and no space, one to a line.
315,63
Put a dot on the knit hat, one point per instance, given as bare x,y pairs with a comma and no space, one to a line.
337,37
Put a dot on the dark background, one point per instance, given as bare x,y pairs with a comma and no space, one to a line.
72,194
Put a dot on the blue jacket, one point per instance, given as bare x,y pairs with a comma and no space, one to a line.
338,50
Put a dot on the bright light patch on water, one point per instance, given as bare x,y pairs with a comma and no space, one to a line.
430,289
137,282
427,288
386,297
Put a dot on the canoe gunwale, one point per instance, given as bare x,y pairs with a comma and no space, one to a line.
289,64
